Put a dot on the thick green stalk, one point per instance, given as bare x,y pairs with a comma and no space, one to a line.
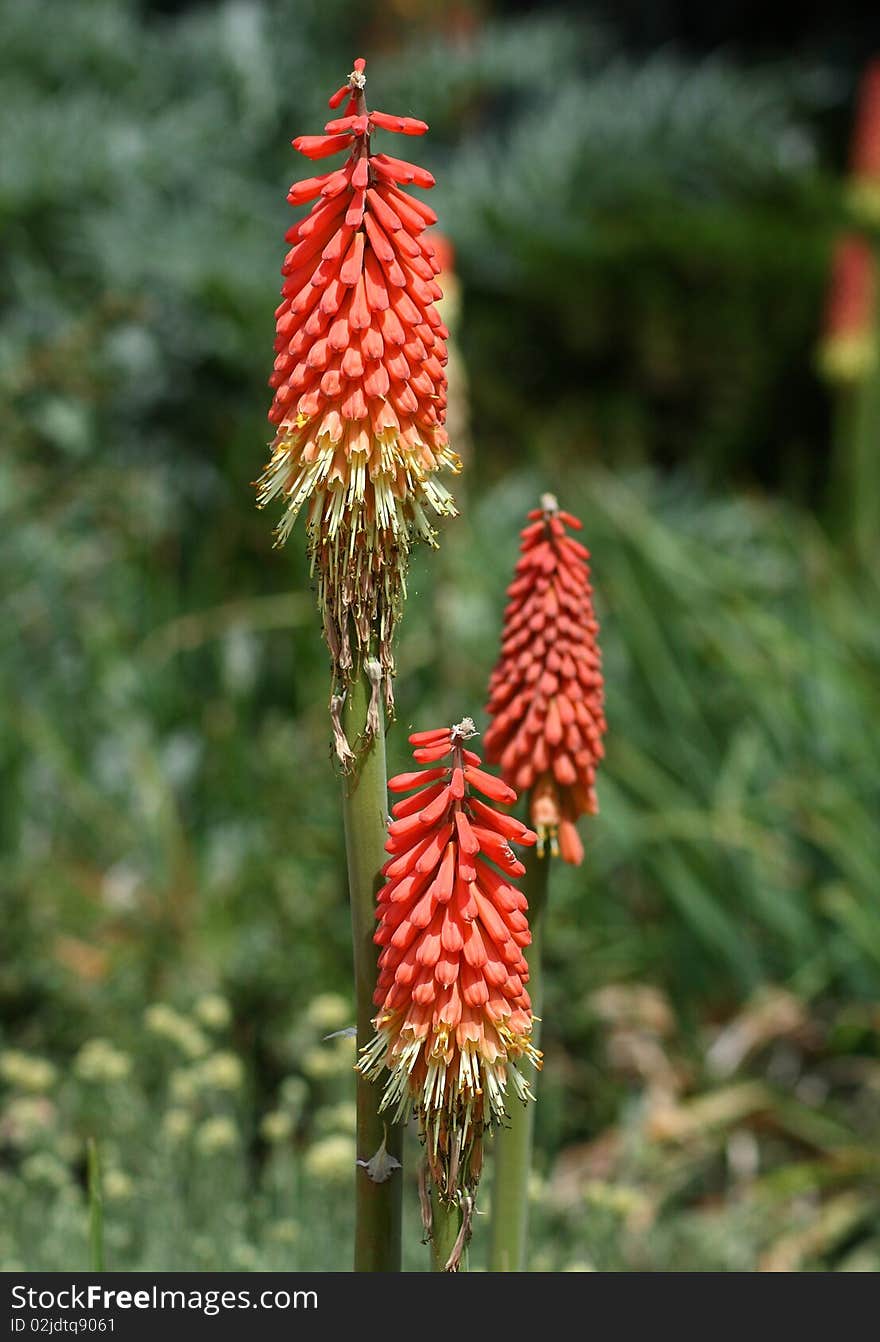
445,1225
365,801
513,1145
96,1207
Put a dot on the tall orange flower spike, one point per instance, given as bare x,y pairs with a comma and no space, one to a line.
360,387
454,1014
546,693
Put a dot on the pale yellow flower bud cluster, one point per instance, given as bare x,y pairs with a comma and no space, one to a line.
162,1020
102,1062
216,1135
24,1071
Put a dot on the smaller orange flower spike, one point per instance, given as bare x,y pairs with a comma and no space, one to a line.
546,692
454,1014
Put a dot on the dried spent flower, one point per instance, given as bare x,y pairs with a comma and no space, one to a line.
360,386
454,1015
546,693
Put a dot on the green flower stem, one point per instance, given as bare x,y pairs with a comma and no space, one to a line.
856,465
513,1144
96,1207
445,1225
365,801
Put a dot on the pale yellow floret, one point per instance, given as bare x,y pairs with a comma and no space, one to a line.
455,1099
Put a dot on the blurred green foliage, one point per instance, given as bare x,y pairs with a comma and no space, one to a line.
642,247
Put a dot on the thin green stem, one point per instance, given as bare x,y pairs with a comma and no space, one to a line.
859,467
513,1144
365,800
855,483
96,1207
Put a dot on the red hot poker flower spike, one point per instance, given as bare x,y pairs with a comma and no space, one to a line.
359,378
546,693
454,1014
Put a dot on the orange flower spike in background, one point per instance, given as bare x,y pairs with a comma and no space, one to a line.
864,168
546,693
359,378
848,349
454,1014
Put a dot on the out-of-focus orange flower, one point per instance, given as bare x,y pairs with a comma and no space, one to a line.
546,693
865,153
360,386
848,348
454,1014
